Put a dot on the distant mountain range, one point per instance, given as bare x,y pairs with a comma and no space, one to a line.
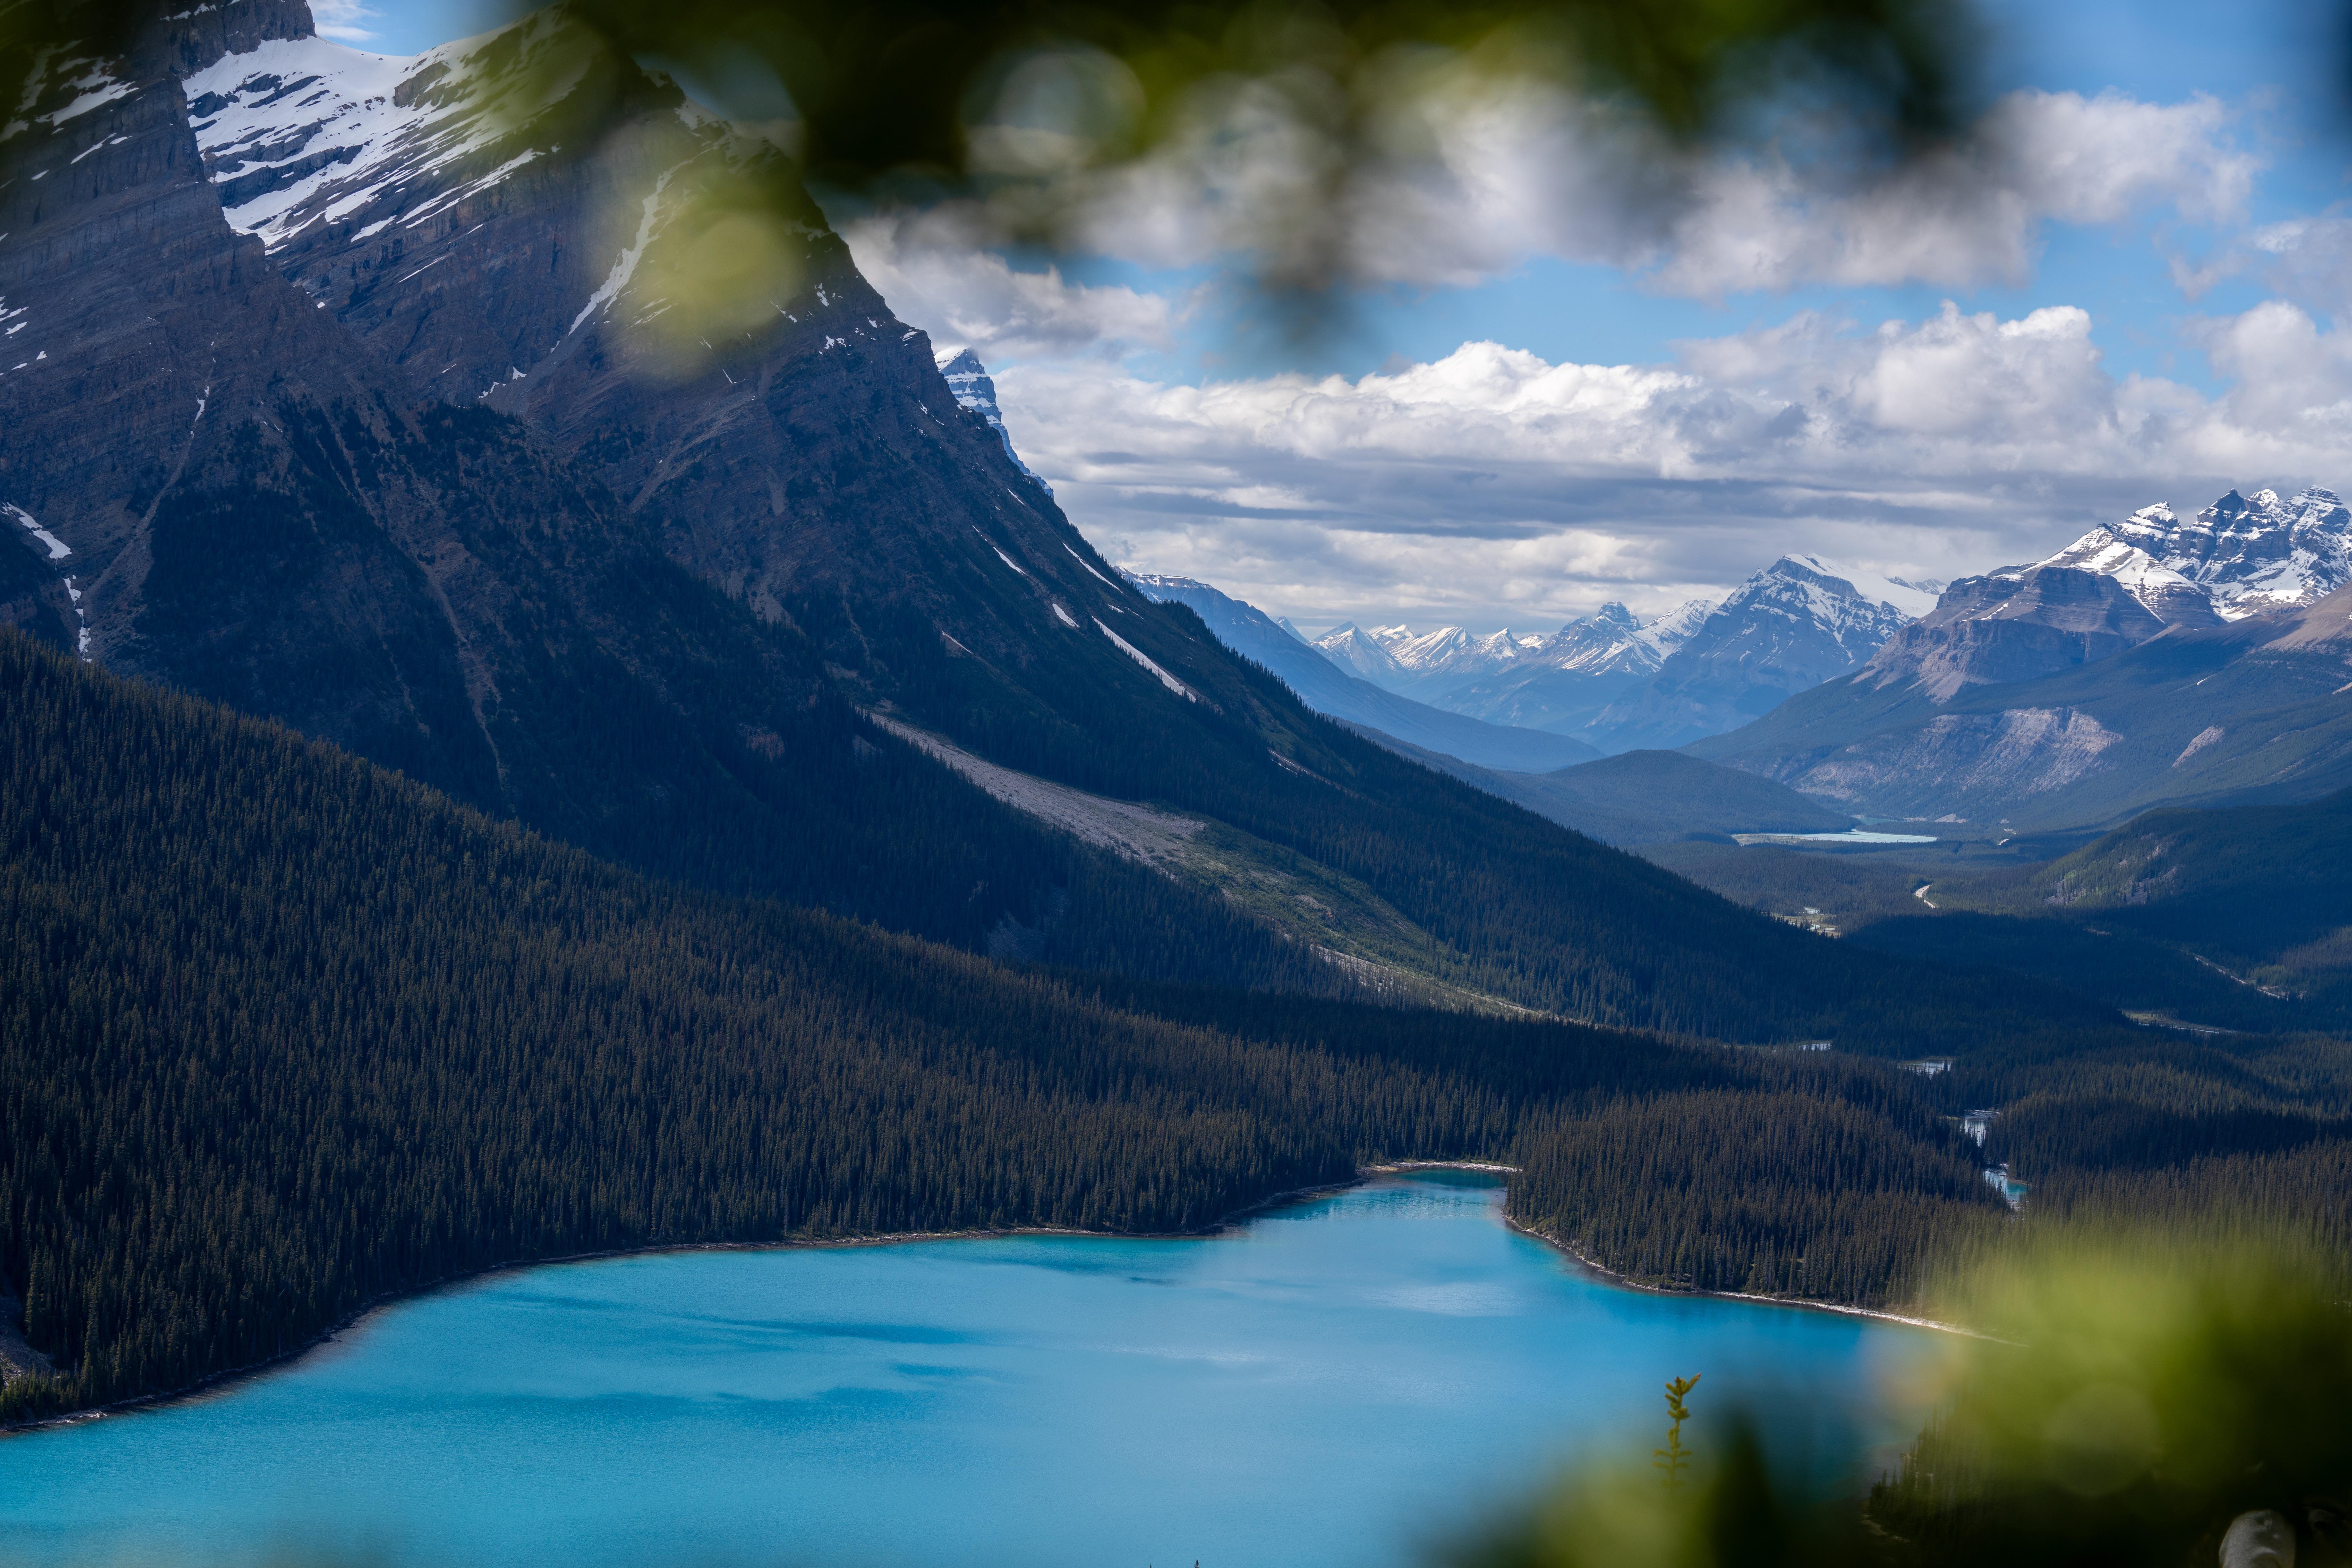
2154,662
1618,683
1328,689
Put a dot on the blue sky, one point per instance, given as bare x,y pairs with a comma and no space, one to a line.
2134,314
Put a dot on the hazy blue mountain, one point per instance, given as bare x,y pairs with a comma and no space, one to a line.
1654,797
1328,689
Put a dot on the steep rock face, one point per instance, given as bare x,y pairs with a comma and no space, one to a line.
2020,626
253,507
807,455
2015,754
1798,623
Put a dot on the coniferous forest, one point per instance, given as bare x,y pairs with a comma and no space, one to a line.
286,1033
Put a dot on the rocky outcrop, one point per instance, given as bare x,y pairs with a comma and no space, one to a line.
975,392
1957,759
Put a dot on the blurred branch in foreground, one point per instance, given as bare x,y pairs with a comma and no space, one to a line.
2140,1404
1272,122
1269,123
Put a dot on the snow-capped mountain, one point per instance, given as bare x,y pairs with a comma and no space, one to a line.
2242,555
1674,628
1617,682
1610,639
1569,677
1363,655
1803,620
1450,655
975,390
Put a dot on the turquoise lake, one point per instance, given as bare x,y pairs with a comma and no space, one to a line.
1338,1384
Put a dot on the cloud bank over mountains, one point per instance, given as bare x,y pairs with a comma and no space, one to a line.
1491,485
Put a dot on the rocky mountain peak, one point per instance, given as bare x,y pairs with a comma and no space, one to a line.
2243,555
1607,640
1674,628
975,390
1362,653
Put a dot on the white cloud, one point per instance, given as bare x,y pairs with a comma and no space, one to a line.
932,273
343,20
1492,486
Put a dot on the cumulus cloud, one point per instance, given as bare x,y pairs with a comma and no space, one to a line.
1492,486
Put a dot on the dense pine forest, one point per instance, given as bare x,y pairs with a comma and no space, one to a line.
282,1033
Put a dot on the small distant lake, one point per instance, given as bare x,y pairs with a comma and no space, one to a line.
1331,1386
1849,836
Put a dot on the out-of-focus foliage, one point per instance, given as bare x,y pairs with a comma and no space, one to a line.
2138,1396
2128,1398
1731,1510
943,86
1274,116
1274,112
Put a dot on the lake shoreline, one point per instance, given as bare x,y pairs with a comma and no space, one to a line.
220,1380
1611,1276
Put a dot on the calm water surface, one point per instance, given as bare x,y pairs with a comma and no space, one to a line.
1337,1383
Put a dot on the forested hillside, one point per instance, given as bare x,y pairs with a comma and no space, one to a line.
286,1033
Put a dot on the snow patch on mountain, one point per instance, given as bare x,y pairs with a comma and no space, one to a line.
300,131
1363,654
1145,660
1674,628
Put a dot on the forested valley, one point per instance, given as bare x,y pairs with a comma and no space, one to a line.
286,1033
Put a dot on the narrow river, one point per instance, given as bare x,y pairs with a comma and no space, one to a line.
1335,1384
